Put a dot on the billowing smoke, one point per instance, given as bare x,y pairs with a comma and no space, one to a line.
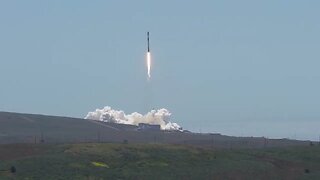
160,116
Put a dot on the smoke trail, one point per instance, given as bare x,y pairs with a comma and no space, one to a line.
160,116
149,64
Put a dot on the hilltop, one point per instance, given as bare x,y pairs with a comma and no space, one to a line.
33,128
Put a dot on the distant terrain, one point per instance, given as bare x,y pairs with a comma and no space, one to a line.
34,129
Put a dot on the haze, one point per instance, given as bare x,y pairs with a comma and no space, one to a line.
243,68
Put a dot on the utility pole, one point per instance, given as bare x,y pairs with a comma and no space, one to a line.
265,142
212,141
98,136
42,138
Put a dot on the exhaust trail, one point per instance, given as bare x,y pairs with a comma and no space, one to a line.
148,58
160,116
149,65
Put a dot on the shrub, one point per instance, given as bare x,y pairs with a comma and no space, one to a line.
13,169
306,171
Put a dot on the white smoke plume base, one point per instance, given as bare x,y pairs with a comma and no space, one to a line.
160,117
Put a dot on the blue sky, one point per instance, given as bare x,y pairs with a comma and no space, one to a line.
234,67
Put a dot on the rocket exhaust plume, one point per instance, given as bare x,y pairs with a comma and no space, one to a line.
160,116
149,64
148,58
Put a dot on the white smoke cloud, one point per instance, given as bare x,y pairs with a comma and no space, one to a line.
160,116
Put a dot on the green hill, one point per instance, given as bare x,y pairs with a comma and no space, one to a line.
155,161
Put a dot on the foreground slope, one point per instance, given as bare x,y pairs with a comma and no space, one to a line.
155,161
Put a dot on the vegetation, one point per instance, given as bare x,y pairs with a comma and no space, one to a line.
156,161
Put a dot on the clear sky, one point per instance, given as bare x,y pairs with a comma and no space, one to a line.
234,67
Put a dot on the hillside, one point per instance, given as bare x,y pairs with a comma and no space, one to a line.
155,161
31,128
52,147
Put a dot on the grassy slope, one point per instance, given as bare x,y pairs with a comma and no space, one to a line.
143,161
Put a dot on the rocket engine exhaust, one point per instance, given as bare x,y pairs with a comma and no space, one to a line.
148,58
160,116
149,64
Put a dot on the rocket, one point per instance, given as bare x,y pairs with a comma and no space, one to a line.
148,41
148,58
